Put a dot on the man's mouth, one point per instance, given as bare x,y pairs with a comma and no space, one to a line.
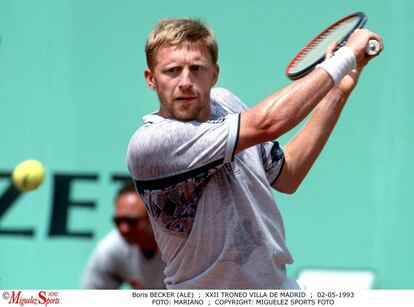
185,98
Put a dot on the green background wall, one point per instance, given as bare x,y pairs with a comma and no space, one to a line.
72,93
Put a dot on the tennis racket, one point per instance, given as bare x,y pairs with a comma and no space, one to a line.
314,52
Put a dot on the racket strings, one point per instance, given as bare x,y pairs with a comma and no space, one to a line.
314,52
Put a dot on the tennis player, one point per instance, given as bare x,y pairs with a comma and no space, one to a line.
205,164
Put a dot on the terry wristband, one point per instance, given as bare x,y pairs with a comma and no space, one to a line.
340,64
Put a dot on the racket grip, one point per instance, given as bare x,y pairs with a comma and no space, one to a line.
373,47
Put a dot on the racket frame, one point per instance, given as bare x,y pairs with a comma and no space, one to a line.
362,19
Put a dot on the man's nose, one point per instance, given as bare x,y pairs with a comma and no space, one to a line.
124,227
185,79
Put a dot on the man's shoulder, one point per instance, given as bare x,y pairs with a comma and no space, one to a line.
112,255
156,131
221,95
112,243
227,100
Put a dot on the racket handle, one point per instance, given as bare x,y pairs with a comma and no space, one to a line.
373,47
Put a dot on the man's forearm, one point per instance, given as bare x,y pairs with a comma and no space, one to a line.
305,147
283,110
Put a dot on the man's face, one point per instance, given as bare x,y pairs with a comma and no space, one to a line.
183,76
131,218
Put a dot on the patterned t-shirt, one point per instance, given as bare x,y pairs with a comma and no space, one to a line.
213,212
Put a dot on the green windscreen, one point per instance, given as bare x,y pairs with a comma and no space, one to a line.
72,93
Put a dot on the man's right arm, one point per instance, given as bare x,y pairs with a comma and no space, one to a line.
283,110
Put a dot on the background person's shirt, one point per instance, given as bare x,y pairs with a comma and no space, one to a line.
114,262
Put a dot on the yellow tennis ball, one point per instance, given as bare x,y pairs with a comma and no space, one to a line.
28,175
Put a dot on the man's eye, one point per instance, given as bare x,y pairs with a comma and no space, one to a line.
171,70
196,68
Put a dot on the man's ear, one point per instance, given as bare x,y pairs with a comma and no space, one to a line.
216,74
149,78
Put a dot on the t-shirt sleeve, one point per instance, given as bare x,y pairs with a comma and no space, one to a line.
171,161
175,149
273,160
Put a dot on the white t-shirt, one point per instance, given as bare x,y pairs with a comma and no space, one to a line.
114,262
213,212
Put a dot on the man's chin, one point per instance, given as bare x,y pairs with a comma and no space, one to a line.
184,116
188,115
129,240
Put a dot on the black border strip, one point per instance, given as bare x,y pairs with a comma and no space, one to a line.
237,138
160,183
280,172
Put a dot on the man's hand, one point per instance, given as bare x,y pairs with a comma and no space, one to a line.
358,42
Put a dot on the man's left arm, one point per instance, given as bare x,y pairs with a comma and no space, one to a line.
304,148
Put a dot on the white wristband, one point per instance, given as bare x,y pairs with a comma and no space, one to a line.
340,64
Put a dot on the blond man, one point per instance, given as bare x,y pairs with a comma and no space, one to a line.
205,164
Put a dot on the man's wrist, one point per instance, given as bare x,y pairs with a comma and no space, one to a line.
340,64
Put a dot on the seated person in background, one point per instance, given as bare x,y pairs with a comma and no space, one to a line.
129,253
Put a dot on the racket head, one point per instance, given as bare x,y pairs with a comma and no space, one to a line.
314,52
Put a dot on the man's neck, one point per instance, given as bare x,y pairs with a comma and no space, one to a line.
149,253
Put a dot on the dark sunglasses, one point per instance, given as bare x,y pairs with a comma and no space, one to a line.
131,221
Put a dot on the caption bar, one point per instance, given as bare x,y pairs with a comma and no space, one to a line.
181,298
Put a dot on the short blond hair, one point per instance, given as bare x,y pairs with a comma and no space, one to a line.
172,32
